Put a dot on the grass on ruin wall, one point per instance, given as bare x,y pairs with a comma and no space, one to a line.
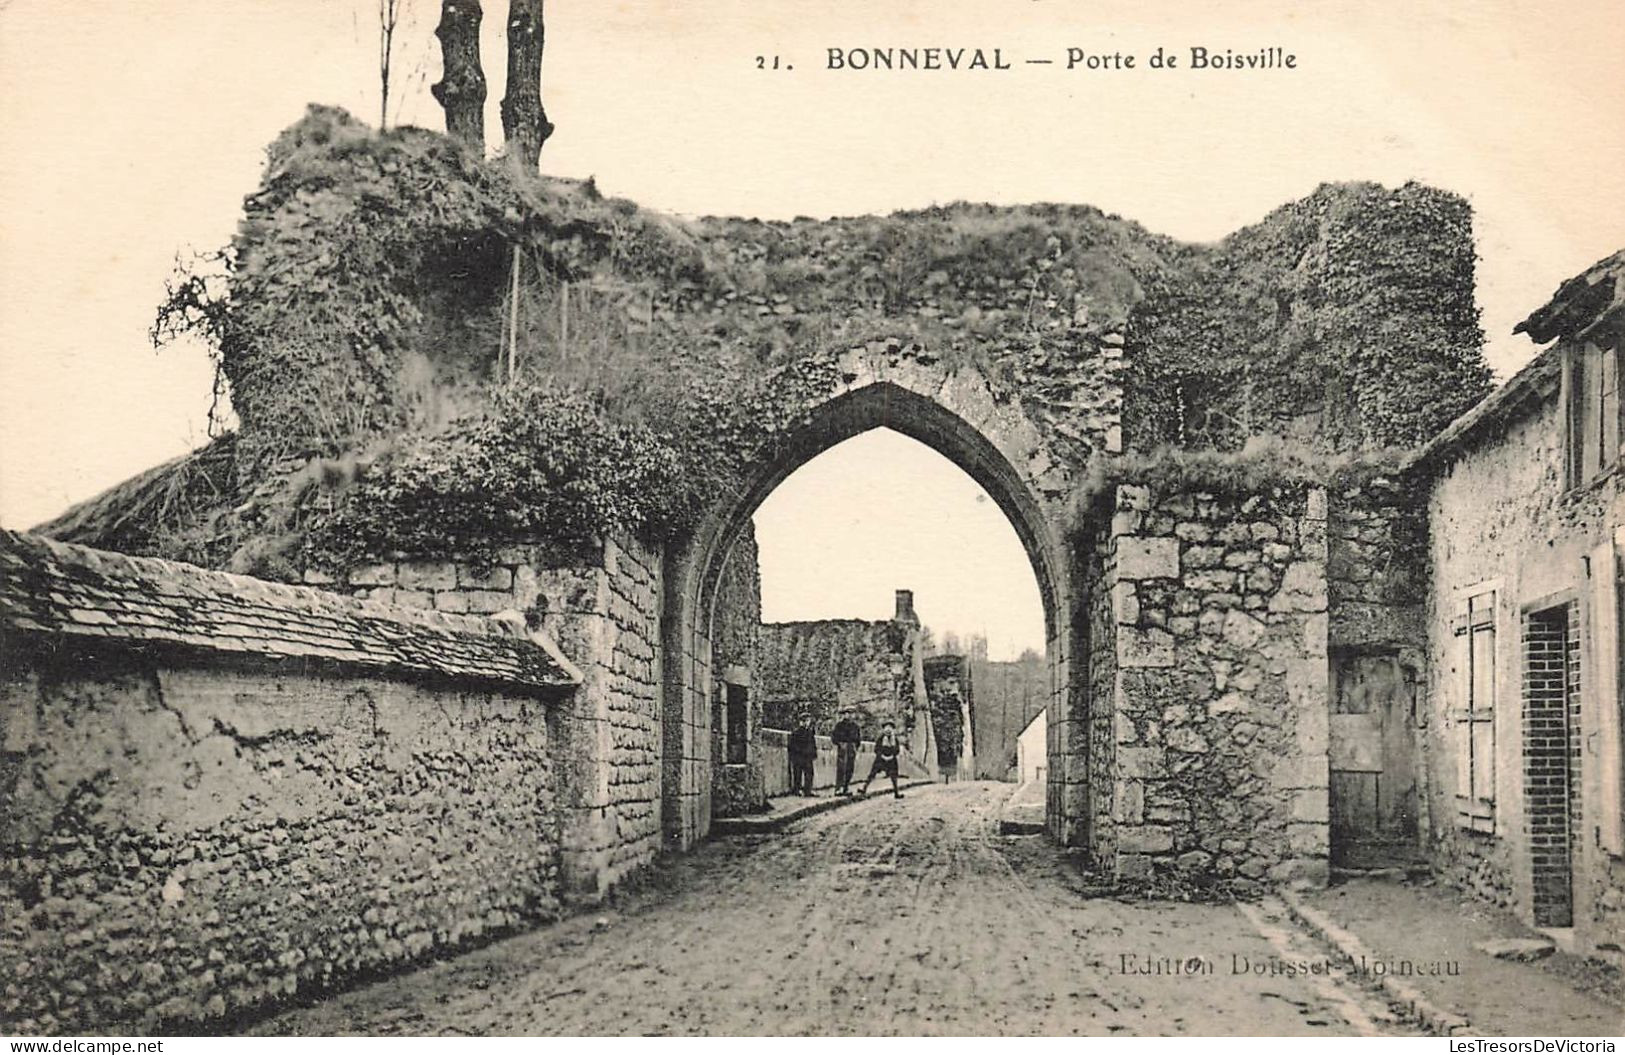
398,394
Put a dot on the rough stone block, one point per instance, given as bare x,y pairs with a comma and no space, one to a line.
486,602
1125,603
1144,647
1194,862
1132,867
1305,837
1315,636
412,598
1187,740
1128,806
1310,804
1141,762
1147,558
428,575
372,575
492,578
1242,630
1133,496
1148,839
1525,949
1302,872
1303,588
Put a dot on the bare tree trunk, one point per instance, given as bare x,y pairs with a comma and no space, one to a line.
524,122
461,90
389,13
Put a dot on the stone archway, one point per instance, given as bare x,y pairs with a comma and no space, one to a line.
965,417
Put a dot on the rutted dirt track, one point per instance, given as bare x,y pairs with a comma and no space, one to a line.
886,917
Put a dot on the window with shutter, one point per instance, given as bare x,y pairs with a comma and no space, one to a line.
1592,426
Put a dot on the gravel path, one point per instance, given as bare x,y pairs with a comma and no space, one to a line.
886,917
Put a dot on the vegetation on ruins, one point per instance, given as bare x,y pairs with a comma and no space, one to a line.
432,353
1347,317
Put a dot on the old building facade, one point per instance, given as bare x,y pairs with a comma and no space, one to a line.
1520,730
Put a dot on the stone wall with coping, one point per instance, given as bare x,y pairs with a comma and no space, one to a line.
218,793
825,665
1218,708
601,603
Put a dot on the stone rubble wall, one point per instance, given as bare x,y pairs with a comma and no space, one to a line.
193,840
1217,752
602,606
1376,569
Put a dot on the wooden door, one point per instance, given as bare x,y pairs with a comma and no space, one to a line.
1372,760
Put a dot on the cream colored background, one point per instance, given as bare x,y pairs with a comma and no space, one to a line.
131,129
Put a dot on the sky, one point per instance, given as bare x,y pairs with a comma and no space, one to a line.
131,130
919,524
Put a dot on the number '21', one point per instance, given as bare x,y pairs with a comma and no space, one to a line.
770,62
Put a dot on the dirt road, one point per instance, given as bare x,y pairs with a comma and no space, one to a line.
911,917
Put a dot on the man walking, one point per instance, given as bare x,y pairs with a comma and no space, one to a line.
846,736
885,758
803,752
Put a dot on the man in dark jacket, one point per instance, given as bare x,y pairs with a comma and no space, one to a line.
886,750
846,736
803,752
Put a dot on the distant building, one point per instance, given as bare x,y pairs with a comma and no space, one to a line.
1032,759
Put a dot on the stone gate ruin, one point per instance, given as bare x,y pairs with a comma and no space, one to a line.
1242,473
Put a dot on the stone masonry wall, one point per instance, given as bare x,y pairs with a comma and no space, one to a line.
180,844
1376,571
1219,710
602,605
736,788
949,687
1092,791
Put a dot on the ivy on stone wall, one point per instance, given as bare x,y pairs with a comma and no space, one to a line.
1346,318
396,396
1265,464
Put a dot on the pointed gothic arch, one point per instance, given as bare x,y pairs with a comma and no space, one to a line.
957,412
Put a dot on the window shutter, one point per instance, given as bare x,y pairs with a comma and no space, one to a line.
1601,719
1474,728
1461,719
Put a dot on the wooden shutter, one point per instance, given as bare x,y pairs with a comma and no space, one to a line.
1474,725
1601,719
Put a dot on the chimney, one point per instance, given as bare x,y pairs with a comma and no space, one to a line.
905,608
